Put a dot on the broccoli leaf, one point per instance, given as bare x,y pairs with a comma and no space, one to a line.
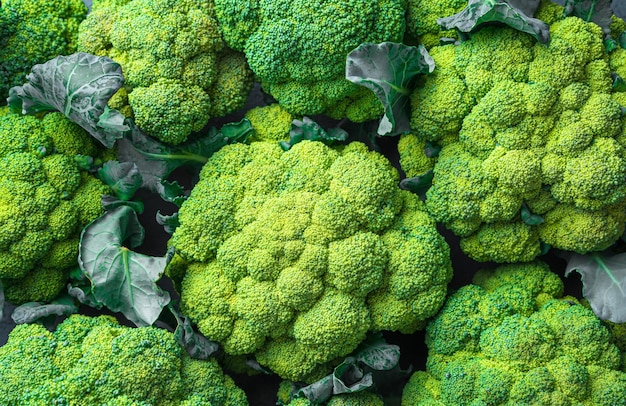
156,160
529,218
33,311
79,86
171,192
169,222
418,184
604,283
123,178
379,355
122,280
1,301
517,14
196,345
595,11
388,69
112,202
307,129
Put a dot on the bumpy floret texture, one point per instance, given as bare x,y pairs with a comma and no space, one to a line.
178,73
32,32
294,256
510,339
421,20
526,129
95,361
298,49
45,200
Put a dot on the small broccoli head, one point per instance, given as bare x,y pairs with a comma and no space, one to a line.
45,200
510,338
295,255
178,74
422,16
298,49
270,123
97,361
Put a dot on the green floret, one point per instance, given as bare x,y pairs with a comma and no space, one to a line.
178,73
96,361
510,338
295,255
298,49
33,32
413,158
270,123
422,16
45,200
537,136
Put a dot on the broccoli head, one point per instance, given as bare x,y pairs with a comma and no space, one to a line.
45,200
421,20
178,73
294,256
298,49
32,32
95,361
532,148
511,338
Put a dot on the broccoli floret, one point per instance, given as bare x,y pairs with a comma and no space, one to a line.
421,20
511,338
178,73
270,123
294,256
45,200
298,49
531,137
32,32
96,361
413,157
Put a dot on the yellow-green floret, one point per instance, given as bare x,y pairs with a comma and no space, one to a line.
533,152
45,201
421,20
178,72
294,256
512,339
270,123
297,49
32,32
95,361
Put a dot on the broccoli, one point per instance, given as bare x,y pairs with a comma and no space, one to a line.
95,361
32,32
178,73
270,123
532,149
294,256
45,200
421,20
298,49
511,338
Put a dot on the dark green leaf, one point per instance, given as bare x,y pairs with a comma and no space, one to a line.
378,355
84,294
418,184
596,11
79,86
33,311
319,391
171,192
388,69
622,40
610,45
255,366
156,160
169,222
113,202
604,283
349,378
619,85
432,150
530,218
196,345
307,129
123,178
122,280
517,14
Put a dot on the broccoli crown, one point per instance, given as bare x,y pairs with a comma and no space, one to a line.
421,20
532,147
95,361
294,256
45,200
510,338
177,70
270,123
298,49
32,32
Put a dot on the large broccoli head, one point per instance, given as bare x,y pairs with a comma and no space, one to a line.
298,49
532,152
511,339
294,256
45,200
32,32
178,73
95,361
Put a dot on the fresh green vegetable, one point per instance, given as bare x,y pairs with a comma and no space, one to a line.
421,21
95,361
295,255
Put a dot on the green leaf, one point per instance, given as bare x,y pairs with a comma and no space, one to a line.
619,85
196,345
157,160
79,86
1,301
388,69
595,11
517,14
349,378
113,202
319,391
33,311
529,218
307,129
171,192
123,178
379,355
122,280
418,184
622,40
169,222
604,283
